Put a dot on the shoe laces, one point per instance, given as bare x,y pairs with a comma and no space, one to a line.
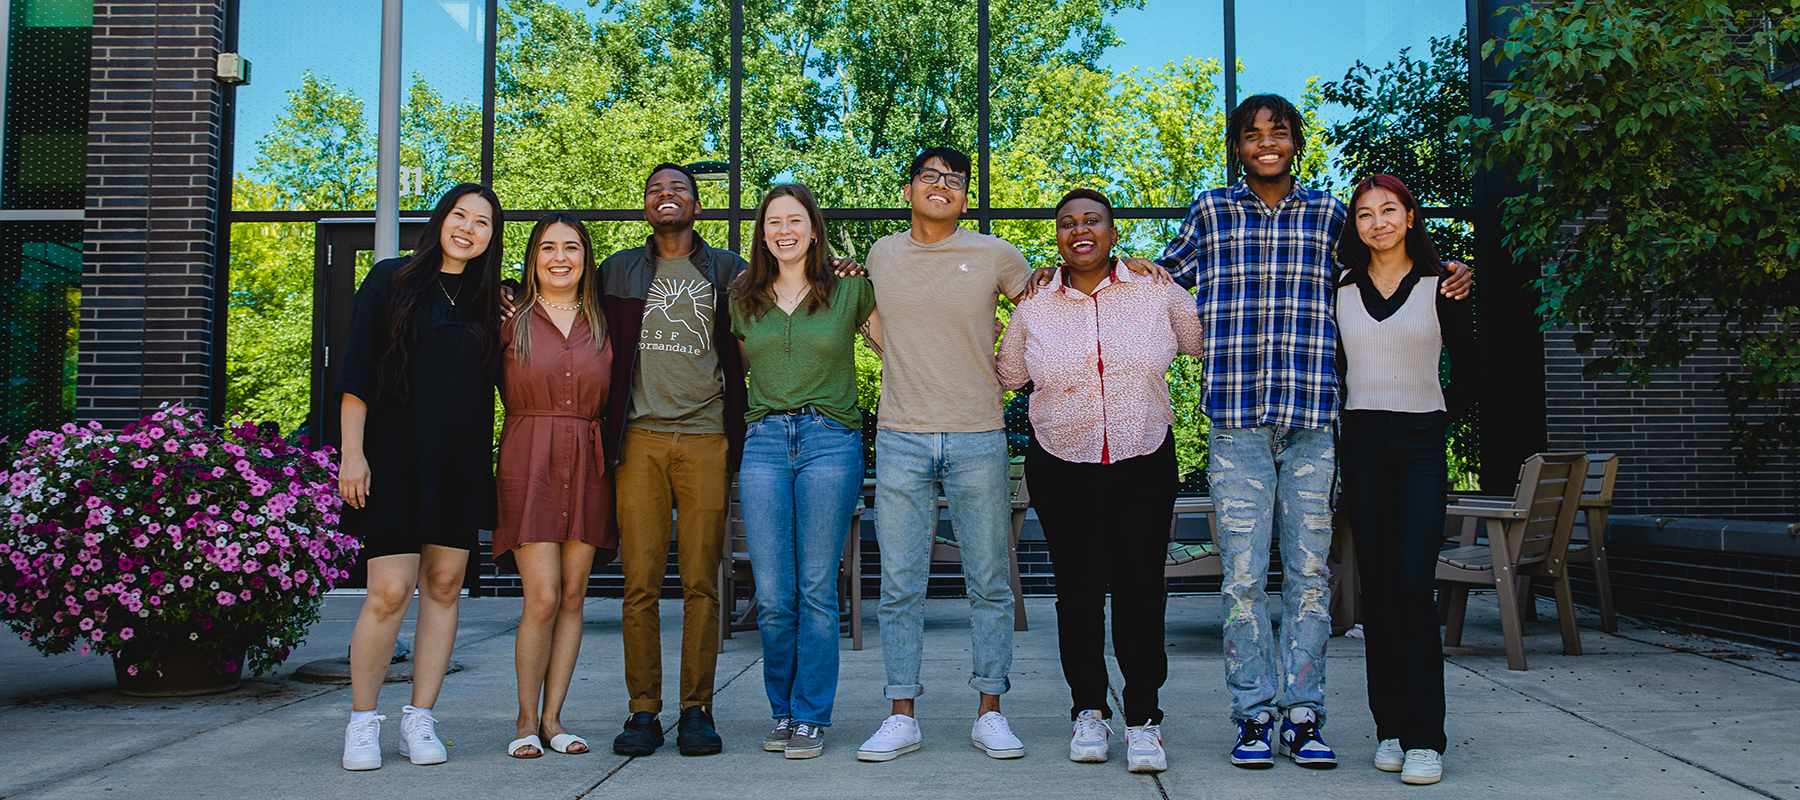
785,723
996,723
892,724
1092,727
806,731
420,726
1422,757
1253,731
1307,731
367,732
1143,736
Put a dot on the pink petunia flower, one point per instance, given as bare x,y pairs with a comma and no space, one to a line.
126,634
226,598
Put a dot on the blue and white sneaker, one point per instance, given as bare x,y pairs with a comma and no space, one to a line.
1254,749
1300,740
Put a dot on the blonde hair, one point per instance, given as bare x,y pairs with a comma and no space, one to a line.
587,290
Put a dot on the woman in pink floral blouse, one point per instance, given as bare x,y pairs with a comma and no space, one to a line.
1096,344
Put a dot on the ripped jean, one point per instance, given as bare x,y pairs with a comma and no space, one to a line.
1264,479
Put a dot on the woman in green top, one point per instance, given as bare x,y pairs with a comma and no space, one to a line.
803,463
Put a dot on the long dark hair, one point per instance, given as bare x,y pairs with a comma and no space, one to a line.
415,279
587,289
754,289
1353,252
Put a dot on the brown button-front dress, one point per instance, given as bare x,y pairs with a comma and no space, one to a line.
552,475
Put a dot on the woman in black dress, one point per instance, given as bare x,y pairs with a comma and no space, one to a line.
417,475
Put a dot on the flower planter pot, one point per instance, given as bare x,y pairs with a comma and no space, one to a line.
185,672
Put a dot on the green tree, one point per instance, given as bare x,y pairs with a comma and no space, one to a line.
1663,151
321,153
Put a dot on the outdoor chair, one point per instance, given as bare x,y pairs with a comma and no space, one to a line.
946,550
1527,536
1196,559
736,576
1596,505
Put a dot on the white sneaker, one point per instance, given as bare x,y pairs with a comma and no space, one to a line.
1088,745
1144,749
993,736
898,735
418,737
362,744
1423,767
1388,755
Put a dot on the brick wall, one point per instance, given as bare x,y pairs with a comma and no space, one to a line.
154,146
1670,437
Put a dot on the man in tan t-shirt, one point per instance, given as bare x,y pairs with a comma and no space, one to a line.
940,422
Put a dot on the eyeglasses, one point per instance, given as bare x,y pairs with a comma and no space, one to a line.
951,180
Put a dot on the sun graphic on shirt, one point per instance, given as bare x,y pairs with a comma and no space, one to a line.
686,304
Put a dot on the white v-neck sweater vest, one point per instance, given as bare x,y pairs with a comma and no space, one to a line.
1393,363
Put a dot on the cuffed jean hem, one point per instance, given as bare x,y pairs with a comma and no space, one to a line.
893,692
995,686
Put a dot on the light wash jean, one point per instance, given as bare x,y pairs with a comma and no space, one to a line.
973,469
1269,481
798,486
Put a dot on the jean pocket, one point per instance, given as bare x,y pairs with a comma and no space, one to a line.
1426,422
833,425
751,429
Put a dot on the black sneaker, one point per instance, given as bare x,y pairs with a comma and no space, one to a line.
643,734
695,735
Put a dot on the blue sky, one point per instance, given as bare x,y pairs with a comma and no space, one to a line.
1281,42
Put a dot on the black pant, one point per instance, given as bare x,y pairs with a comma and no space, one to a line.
1108,524
1393,469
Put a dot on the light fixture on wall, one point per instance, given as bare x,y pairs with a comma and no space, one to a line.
710,170
232,69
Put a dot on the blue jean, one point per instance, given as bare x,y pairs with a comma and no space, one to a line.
1264,479
973,470
798,486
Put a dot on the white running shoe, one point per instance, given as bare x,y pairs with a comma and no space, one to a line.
1388,756
993,736
1088,745
362,744
1423,767
1144,749
899,734
419,742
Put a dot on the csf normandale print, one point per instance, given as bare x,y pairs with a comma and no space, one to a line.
125,542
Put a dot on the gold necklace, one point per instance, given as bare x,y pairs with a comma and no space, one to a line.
576,307
446,292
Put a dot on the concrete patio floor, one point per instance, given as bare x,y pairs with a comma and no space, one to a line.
1642,714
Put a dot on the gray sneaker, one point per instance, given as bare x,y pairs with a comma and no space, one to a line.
808,741
776,740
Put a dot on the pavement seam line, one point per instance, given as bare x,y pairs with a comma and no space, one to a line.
1731,661
629,759
1760,792
1155,777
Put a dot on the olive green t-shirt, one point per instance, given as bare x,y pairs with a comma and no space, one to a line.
678,385
808,357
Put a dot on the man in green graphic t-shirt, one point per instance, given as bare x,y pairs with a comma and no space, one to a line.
674,432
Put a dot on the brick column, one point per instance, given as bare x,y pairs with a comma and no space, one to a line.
155,116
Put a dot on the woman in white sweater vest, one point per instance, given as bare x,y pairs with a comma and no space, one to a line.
1394,328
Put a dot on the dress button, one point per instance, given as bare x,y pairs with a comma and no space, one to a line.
567,374
568,402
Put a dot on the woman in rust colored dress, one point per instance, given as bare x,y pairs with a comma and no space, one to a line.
556,499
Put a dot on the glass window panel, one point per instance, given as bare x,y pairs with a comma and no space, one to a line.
269,339
43,163
590,99
306,127
40,314
1294,47
1136,112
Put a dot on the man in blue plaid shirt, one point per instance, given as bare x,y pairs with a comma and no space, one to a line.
1260,254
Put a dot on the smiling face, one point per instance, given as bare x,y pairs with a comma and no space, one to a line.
1085,235
467,229
670,202
787,230
1266,147
936,201
560,260
1381,220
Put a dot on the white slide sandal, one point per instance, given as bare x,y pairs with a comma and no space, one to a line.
517,747
563,741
